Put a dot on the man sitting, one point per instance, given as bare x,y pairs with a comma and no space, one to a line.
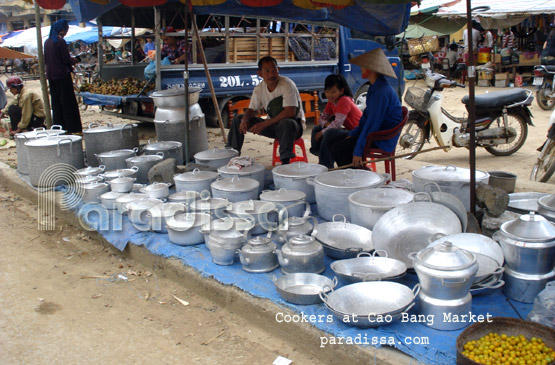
279,96
26,112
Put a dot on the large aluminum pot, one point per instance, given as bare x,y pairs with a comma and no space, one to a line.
43,153
174,98
546,207
216,157
293,200
170,149
451,179
301,254
137,212
437,308
235,189
528,244
110,137
293,177
445,271
254,171
333,188
525,287
184,229
21,149
115,160
144,163
367,206
195,180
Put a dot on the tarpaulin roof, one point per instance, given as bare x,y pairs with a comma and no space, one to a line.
501,8
10,53
388,17
430,6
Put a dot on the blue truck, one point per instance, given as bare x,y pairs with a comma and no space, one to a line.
305,53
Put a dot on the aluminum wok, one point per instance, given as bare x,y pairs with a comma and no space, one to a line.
366,267
342,240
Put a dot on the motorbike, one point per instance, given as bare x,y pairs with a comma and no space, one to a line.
544,80
545,165
501,124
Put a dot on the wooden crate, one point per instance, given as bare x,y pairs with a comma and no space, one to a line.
243,50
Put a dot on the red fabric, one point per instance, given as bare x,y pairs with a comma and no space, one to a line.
345,105
261,3
336,4
140,3
51,4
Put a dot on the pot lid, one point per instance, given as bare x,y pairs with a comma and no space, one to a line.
185,195
119,172
87,179
53,140
144,158
446,257
381,197
116,153
162,145
301,240
216,154
235,184
447,173
252,207
173,92
547,202
90,170
38,133
530,227
157,186
259,244
112,195
126,198
167,209
184,221
255,167
349,179
209,204
95,185
282,195
195,175
295,222
299,169
143,204
122,180
108,128
227,223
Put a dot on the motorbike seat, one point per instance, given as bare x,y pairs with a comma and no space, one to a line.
498,99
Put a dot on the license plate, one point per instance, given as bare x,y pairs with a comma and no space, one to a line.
537,81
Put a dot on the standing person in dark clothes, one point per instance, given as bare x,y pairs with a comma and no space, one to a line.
59,65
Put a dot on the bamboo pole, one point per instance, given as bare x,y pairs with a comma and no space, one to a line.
43,86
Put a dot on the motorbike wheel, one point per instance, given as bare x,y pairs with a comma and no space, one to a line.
545,166
517,122
545,102
411,140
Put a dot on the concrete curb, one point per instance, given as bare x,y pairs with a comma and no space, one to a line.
260,312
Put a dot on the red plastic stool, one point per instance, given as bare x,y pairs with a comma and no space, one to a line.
298,142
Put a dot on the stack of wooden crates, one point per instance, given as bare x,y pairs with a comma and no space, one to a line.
243,49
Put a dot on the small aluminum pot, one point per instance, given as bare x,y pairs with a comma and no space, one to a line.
235,189
108,200
265,214
195,180
216,157
294,177
137,212
93,191
157,190
83,180
122,201
368,205
227,229
214,207
258,255
255,171
144,163
296,226
223,245
122,184
184,197
170,149
184,229
113,174
90,171
114,160
159,214
293,200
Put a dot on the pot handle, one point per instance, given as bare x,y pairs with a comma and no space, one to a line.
436,236
161,154
365,254
130,125
309,180
102,167
424,196
314,226
323,294
409,307
450,166
244,260
499,270
339,215
307,210
70,146
451,282
135,149
498,284
412,256
135,168
45,134
56,127
432,183
334,282
416,290
93,125
376,253
148,141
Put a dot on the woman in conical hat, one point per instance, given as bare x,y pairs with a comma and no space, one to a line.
383,110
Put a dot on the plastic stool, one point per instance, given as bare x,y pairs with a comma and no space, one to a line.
298,142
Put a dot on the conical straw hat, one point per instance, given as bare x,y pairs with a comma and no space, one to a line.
374,60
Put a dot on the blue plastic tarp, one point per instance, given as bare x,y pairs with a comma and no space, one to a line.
387,18
90,36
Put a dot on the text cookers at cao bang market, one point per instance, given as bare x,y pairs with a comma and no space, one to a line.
293,177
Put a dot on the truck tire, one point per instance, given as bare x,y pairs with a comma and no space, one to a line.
360,96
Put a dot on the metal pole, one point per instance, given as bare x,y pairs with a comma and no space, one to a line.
43,86
471,109
186,83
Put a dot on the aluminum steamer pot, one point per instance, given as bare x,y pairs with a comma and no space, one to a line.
293,177
235,189
367,206
195,180
144,163
110,137
333,188
115,160
254,171
43,153
223,243
21,149
451,179
216,157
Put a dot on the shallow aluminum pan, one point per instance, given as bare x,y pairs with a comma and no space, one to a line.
174,98
344,240
525,203
303,288
369,268
547,207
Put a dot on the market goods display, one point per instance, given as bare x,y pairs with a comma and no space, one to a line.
127,86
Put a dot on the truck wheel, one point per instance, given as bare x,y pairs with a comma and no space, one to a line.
360,97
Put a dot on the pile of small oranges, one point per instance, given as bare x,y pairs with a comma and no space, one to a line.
502,349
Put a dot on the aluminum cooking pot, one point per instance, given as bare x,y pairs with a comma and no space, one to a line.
90,171
109,137
157,190
366,267
303,288
174,98
216,157
214,207
451,179
124,199
528,244
21,149
82,180
296,226
235,189
265,214
137,212
122,184
160,213
184,228
293,200
185,197
473,242
254,171
546,207
93,191
195,180
170,149
258,255
108,200
333,188
144,163
368,205
110,175
293,177
115,160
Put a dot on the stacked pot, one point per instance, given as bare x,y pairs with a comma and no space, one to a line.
446,274
22,138
170,123
528,244
99,139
